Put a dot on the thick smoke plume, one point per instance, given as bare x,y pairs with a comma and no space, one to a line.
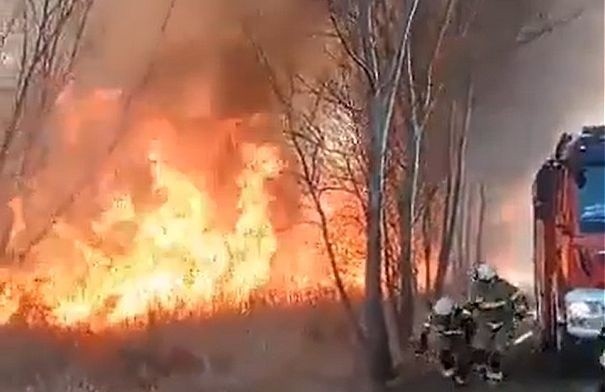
551,85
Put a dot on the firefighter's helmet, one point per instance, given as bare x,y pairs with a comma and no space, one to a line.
444,306
485,272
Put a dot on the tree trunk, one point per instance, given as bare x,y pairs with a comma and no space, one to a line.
407,212
443,255
479,244
465,239
428,243
460,234
449,229
390,301
466,222
379,358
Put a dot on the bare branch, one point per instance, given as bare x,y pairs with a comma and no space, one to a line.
42,46
444,26
347,47
396,65
309,176
87,180
368,42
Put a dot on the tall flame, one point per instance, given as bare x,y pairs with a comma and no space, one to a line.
170,255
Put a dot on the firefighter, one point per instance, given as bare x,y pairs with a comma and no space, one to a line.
496,305
453,326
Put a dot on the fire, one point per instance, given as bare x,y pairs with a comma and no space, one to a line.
171,256
510,250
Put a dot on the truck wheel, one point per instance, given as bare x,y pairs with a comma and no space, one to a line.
565,352
573,359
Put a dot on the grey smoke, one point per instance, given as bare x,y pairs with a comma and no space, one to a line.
551,85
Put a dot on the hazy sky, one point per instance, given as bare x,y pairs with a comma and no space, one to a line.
552,85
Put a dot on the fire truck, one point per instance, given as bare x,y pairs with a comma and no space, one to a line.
569,244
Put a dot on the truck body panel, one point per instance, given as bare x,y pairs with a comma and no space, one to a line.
569,240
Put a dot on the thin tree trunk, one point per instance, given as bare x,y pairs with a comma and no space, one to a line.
384,89
390,305
468,238
440,275
479,243
460,234
465,224
380,365
470,225
428,243
445,251
407,212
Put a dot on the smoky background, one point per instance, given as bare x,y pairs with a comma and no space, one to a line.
525,100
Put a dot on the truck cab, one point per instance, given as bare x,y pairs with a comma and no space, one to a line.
569,243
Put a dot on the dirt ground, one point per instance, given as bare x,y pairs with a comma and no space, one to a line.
526,369
296,350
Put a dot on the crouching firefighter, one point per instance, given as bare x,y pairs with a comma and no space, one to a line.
497,306
454,327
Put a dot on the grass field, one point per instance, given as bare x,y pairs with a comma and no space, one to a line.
302,349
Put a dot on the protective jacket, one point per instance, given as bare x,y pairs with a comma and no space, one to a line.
496,301
495,305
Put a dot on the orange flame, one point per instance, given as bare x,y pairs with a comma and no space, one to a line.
172,256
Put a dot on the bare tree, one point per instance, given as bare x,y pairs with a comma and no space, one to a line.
125,117
421,99
49,34
51,31
317,173
455,180
58,68
383,85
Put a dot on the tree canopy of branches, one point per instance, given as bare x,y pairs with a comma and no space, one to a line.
50,32
47,36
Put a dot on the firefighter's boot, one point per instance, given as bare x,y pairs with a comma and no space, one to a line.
494,373
494,377
459,381
447,361
479,361
463,367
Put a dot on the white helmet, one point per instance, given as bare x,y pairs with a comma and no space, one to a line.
485,272
444,306
602,359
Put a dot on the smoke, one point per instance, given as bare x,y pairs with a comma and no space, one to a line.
541,89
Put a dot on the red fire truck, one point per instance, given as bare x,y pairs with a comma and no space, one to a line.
569,244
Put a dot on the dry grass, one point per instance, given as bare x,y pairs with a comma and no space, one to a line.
306,349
